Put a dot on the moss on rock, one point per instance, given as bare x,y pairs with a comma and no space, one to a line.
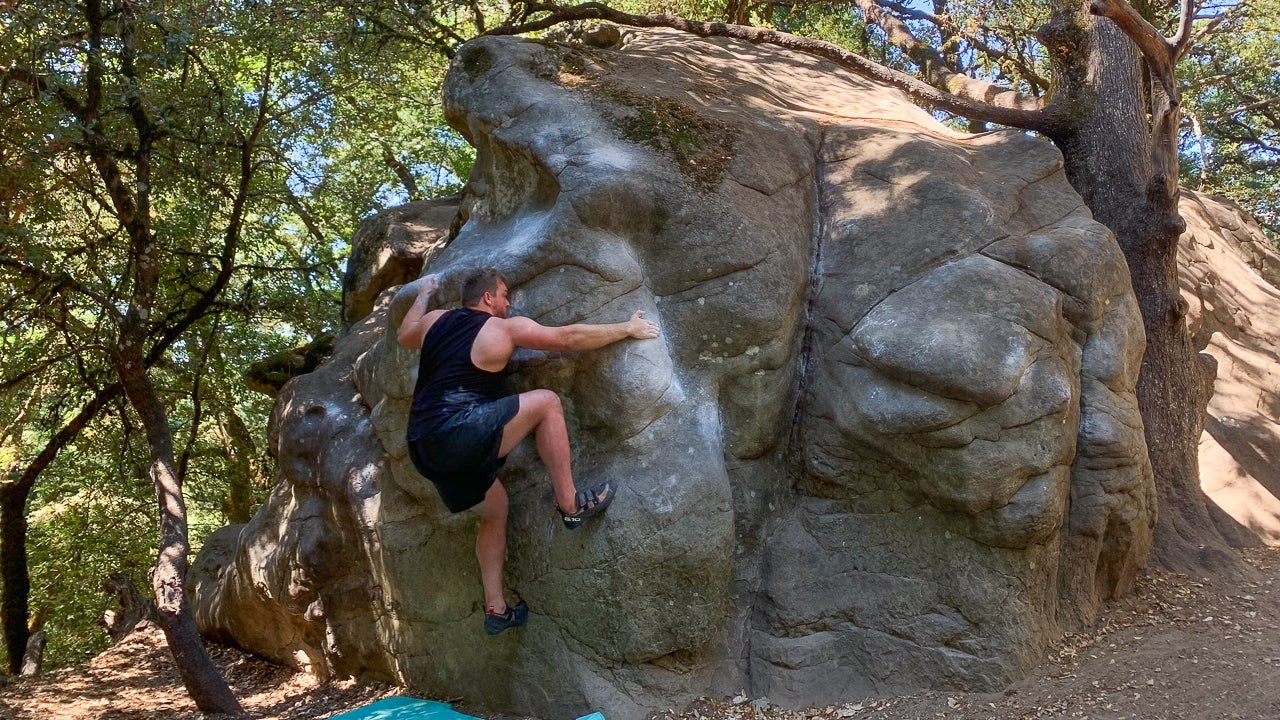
701,146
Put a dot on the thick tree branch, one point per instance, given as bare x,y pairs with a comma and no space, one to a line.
1159,53
197,406
1258,105
402,172
1246,135
934,66
477,16
1028,73
435,34
7,384
172,329
60,280
308,220
17,421
14,491
1182,38
986,101
64,436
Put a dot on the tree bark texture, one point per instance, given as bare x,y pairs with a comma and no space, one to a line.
33,656
199,675
13,564
134,608
1115,157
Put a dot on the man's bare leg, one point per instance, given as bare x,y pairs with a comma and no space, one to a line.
491,545
542,414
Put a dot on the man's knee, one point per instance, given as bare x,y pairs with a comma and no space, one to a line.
493,508
547,403
495,515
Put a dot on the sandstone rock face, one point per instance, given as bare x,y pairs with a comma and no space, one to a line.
888,439
390,248
1230,275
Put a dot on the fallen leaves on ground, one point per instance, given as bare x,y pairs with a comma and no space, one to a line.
1174,649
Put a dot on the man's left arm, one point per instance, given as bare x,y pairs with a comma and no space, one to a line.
526,333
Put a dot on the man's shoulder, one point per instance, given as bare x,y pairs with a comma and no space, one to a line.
431,320
496,325
436,314
516,325
528,333
515,321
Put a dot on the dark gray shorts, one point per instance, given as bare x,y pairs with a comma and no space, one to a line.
461,454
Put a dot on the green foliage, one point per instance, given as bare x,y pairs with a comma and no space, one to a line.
1231,133
94,515
278,127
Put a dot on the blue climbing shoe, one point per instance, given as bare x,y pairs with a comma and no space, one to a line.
513,617
590,502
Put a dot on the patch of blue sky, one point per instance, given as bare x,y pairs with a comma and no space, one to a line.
308,163
440,180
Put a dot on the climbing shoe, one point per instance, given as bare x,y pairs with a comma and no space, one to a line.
590,502
495,623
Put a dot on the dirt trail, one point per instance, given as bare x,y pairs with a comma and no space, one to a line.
1176,649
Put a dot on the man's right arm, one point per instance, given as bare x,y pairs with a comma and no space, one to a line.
416,322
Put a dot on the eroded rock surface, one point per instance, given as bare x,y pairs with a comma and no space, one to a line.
888,439
1230,274
390,249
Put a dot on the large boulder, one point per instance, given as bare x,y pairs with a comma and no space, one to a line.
888,440
1230,273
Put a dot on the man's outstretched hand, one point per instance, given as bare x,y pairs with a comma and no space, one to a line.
641,329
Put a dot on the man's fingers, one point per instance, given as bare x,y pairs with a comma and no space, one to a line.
648,328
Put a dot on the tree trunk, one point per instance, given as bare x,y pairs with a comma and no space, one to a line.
13,527
13,565
201,677
1174,388
33,656
134,608
1113,159
238,505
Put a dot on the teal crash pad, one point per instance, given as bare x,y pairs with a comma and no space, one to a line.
407,708
404,708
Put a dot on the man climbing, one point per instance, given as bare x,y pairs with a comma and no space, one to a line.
463,423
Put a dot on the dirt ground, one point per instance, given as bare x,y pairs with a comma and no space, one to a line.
1176,649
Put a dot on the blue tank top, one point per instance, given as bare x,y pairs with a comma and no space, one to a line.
447,379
